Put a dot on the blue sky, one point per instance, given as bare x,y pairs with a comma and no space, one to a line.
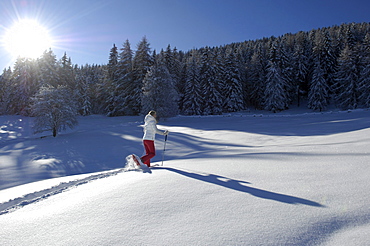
87,29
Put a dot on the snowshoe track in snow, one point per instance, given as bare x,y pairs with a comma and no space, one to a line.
37,196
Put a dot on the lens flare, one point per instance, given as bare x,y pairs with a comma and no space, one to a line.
27,38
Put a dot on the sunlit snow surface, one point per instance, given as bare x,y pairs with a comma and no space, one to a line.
248,178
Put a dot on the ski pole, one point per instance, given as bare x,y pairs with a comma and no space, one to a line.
164,148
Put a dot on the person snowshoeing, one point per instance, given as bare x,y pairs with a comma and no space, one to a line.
150,129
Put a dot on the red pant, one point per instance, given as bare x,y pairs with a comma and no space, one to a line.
149,152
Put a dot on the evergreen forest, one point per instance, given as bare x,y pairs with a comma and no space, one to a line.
314,69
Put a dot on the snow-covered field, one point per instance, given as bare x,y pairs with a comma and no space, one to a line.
248,178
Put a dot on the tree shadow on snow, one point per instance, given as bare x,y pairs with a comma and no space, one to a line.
238,185
189,146
280,125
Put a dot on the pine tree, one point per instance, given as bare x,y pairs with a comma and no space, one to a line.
364,80
54,110
82,92
25,84
112,63
349,38
66,75
159,92
243,64
98,88
192,103
6,89
257,76
48,69
364,86
111,82
301,67
276,94
285,54
324,55
323,72
347,79
122,84
91,92
233,92
318,96
171,60
211,97
176,69
329,59
142,61
351,63
125,79
218,61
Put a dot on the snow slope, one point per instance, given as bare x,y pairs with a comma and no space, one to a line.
238,179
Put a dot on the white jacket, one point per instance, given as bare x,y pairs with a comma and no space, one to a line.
150,128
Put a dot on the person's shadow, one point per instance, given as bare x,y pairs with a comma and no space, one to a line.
238,186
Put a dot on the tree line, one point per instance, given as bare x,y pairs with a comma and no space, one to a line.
311,69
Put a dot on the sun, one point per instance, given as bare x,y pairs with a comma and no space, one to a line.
27,38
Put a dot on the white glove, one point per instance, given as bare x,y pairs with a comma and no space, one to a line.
166,132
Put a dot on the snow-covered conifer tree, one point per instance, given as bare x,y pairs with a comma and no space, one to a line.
233,88
66,75
25,84
364,86
6,89
285,58
48,69
276,96
275,92
110,84
112,63
192,99
323,71
126,85
141,63
82,91
257,76
212,99
171,59
351,63
323,54
301,66
120,95
159,92
364,80
318,96
347,79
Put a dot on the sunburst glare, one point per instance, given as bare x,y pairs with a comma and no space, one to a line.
27,38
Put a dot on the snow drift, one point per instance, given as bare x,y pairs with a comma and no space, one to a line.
238,179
